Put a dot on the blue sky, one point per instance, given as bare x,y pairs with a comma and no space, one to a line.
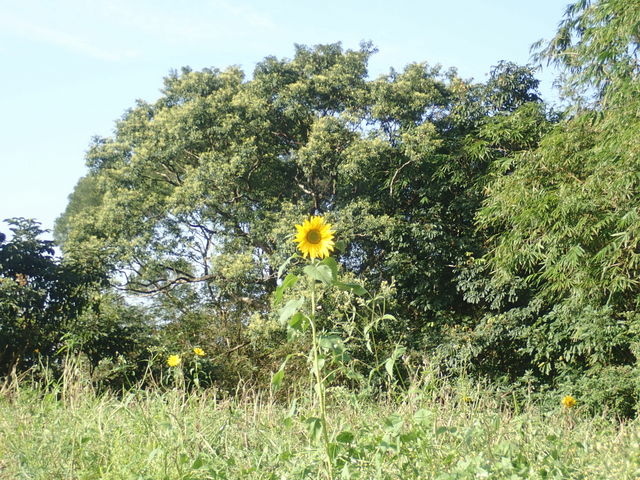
72,67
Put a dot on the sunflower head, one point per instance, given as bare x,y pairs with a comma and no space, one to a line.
315,238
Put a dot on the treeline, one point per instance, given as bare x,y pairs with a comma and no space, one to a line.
502,236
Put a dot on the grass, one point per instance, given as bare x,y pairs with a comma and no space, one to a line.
434,431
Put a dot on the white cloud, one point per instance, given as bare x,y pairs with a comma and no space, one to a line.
61,39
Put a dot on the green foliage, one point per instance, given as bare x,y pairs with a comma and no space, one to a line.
613,390
52,307
116,340
597,44
229,356
506,233
560,275
328,355
41,297
192,201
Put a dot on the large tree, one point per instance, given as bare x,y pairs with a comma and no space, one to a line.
193,200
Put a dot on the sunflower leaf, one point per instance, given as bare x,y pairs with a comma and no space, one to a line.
298,322
289,309
321,273
333,266
284,265
314,425
391,361
331,342
276,379
288,281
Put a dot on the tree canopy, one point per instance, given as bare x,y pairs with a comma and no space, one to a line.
195,195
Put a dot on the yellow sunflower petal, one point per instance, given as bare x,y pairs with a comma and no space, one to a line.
314,238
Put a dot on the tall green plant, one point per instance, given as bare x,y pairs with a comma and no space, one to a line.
328,353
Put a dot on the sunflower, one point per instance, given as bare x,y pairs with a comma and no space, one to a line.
315,238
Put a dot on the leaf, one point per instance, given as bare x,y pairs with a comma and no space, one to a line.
391,361
345,437
276,379
332,450
334,344
388,366
341,246
423,417
197,463
293,408
154,453
298,322
393,423
331,342
314,425
333,266
289,281
321,273
284,265
289,309
322,360
352,287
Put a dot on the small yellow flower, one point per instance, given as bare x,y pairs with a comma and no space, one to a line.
198,351
174,360
568,401
315,238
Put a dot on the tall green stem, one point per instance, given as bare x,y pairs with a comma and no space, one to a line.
320,390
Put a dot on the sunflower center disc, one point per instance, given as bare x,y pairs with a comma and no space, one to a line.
314,237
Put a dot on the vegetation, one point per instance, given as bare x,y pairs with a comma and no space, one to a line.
40,297
565,224
502,236
437,431
191,204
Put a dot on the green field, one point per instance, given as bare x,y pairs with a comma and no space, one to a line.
435,431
